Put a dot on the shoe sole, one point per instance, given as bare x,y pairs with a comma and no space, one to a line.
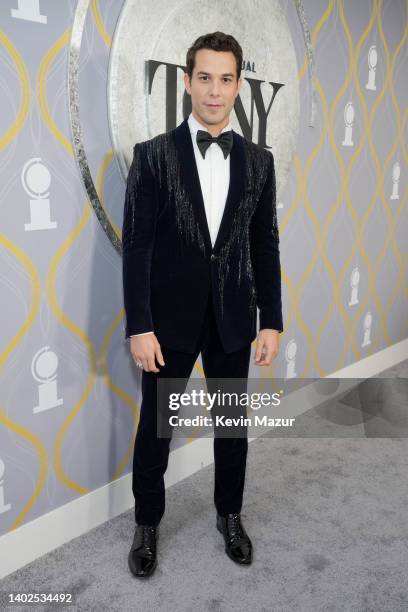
228,553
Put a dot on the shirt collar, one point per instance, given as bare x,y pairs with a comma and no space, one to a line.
195,125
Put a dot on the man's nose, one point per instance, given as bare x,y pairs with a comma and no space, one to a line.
215,88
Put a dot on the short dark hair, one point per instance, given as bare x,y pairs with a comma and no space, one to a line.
217,41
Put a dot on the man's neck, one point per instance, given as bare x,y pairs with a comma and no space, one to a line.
214,130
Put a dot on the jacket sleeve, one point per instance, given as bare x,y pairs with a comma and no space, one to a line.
264,241
138,235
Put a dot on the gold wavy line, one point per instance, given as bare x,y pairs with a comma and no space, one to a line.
55,308
302,179
35,293
41,90
42,456
4,355
125,397
403,145
99,24
25,92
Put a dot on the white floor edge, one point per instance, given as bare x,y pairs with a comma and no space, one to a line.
27,543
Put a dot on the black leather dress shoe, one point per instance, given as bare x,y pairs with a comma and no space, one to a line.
238,546
142,556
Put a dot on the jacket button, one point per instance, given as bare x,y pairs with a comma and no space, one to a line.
213,257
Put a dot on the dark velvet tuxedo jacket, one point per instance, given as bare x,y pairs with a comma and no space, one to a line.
169,263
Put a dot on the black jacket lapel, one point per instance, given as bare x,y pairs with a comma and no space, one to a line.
236,187
189,170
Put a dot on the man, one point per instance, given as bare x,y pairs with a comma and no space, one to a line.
200,253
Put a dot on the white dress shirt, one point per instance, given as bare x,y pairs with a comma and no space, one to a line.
214,175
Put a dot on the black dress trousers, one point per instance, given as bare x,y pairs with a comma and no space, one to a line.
151,453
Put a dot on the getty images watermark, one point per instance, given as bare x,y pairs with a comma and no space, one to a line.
211,401
294,407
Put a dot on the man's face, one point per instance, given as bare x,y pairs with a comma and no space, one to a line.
213,86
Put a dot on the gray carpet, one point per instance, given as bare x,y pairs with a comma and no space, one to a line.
327,517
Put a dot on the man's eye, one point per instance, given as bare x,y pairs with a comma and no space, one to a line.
226,79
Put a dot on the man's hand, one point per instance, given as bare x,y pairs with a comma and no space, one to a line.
144,350
267,346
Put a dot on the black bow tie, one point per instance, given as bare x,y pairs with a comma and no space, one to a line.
204,139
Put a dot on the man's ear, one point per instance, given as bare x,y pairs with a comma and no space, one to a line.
187,82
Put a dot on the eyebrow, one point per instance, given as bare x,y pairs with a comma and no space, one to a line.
208,73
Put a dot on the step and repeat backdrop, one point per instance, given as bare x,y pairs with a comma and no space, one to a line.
325,87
